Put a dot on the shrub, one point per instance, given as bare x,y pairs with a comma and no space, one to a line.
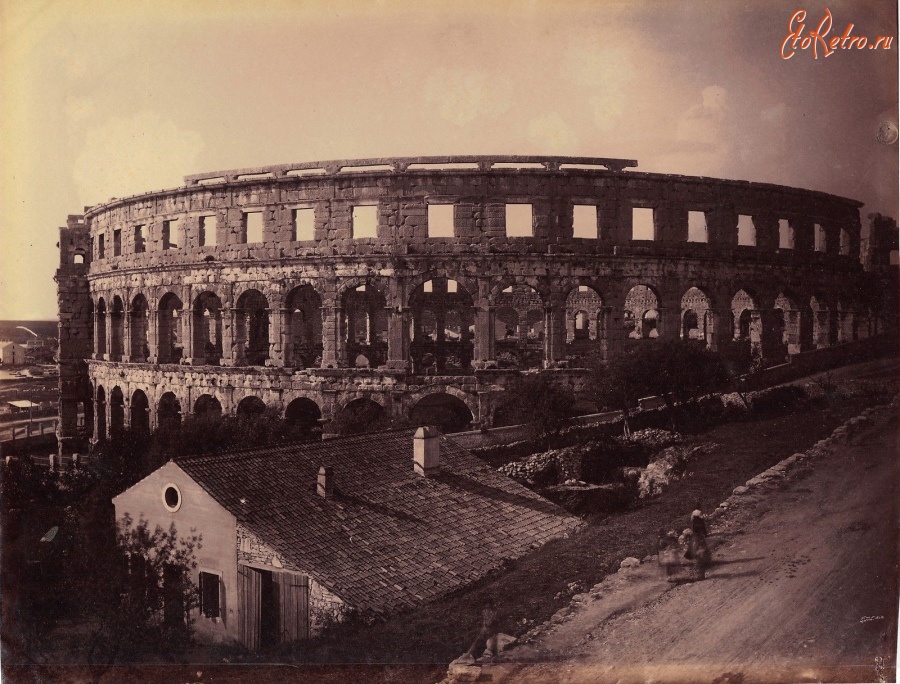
776,399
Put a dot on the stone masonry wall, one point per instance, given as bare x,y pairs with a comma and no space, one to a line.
781,287
324,607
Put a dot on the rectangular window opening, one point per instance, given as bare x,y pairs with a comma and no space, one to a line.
519,220
101,246
452,286
171,234
209,595
642,226
785,234
365,222
253,227
746,231
585,221
304,224
440,221
427,286
698,231
139,245
820,238
208,227
845,241
117,242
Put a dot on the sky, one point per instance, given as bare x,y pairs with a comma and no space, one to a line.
102,99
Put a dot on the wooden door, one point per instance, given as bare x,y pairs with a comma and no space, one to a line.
249,606
293,604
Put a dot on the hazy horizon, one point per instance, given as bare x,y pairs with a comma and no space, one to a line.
102,100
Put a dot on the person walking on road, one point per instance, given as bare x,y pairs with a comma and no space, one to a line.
698,549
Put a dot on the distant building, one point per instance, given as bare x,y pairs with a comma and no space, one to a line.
11,353
296,535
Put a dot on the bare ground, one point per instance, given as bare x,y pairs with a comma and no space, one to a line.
804,588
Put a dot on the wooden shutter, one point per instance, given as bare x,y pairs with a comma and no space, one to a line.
293,595
249,602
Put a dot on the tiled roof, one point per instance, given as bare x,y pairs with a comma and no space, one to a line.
388,538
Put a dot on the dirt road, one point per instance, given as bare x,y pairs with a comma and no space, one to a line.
804,588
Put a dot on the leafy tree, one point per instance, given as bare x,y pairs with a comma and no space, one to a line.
619,384
366,417
212,433
139,601
539,402
678,371
62,558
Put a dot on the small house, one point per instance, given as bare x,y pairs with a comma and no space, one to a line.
11,353
295,536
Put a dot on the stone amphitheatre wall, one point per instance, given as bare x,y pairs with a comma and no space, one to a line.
274,283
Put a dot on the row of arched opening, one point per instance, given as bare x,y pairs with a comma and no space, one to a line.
441,326
813,326
449,412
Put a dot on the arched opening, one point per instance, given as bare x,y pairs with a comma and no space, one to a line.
742,304
359,416
305,415
140,311
448,413
169,339
642,313
534,326
581,331
101,413
252,334
78,258
100,328
695,312
519,326
743,325
443,326
507,324
822,323
250,406
304,328
140,415
790,322
207,315
116,412
651,324
117,329
207,406
585,323
168,412
85,420
365,325
690,325
845,323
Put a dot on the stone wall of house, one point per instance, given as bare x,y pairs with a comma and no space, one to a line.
332,317
325,608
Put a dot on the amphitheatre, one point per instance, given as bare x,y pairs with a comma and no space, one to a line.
418,286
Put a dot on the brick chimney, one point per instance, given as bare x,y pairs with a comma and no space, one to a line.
325,483
427,451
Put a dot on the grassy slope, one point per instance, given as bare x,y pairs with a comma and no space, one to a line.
538,584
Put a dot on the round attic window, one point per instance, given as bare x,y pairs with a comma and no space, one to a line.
171,497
